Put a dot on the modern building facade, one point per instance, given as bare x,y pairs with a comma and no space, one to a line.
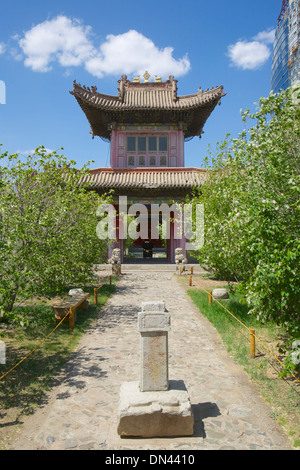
147,124
286,51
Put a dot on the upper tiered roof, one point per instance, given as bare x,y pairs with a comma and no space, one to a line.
147,102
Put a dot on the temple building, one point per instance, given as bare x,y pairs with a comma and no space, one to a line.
147,124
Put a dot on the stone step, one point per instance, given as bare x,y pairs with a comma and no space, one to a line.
157,267
138,267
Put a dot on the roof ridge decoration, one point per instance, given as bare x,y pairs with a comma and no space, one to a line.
146,76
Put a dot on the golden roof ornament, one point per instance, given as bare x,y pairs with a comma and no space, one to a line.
146,76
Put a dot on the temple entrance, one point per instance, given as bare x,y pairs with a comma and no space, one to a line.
146,250
146,236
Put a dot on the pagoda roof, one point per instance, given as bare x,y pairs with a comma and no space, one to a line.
104,179
146,102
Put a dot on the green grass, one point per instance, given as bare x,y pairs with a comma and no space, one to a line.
25,388
282,398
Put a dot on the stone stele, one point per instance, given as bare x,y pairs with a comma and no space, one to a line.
155,406
154,323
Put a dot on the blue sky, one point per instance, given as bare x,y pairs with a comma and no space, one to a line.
44,46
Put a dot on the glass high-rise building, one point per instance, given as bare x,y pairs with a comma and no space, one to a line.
286,52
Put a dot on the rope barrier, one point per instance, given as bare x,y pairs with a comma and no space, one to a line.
29,354
250,330
58,324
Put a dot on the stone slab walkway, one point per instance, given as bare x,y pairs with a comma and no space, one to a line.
81,412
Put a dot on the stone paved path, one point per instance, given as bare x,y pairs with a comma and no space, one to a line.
81,412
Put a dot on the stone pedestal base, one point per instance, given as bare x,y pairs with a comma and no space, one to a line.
155,414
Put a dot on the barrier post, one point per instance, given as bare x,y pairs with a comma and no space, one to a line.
71,318
110,280
252,343
190,280
95,295
210,297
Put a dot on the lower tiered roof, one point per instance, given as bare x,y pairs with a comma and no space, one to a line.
136,180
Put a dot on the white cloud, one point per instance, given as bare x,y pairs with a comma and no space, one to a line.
2,47
248,55
69,43
61,39
251,55
31,152
132,52
267,37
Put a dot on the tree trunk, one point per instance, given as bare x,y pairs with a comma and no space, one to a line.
11,301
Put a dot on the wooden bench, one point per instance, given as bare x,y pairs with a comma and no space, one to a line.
66,307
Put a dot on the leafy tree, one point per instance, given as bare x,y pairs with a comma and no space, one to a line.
47,227
251,200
